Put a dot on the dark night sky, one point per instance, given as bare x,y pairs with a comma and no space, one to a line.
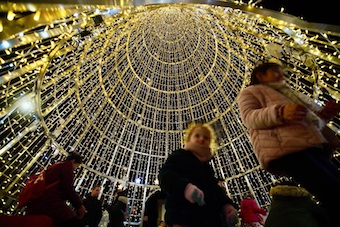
326,11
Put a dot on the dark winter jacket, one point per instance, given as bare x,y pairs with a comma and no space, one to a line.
94,211
53,202
250,211
294,207
183,167
151,209
117,212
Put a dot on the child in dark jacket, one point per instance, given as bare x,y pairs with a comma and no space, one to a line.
194,198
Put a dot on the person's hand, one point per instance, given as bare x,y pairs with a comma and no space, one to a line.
330,110
294,112
194,195
81,211
230,214
146,218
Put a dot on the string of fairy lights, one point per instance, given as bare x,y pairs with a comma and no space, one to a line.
120,85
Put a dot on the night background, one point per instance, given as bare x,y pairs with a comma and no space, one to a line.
318,12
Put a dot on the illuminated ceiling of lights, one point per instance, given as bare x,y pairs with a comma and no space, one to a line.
120,84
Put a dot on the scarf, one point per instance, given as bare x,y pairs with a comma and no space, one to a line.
203,153
302,100
333,141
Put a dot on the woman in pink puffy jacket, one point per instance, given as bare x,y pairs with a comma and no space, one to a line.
286,129
250,212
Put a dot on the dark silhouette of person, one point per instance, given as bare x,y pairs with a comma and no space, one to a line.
118,210
151,213
93,207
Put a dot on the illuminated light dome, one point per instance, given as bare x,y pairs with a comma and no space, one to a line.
119,84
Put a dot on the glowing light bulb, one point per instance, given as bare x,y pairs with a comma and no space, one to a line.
26,104
138,180
4,44
37,16
10,15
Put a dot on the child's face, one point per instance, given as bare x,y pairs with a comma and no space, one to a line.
274,74
200,136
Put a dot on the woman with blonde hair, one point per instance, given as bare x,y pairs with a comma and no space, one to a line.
194,198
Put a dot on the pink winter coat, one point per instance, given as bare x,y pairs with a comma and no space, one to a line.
261,108
250,211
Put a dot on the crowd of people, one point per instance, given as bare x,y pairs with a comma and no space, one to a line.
286,129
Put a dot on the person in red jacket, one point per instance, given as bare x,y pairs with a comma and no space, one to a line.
250,212
53,202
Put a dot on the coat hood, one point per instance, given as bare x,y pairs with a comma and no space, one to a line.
287,190
123,199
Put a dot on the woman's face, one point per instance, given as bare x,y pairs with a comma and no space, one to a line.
200,135
272,75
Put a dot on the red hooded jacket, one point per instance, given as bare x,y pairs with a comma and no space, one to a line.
250,211
53,202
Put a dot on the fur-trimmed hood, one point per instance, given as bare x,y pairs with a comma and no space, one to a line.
123,199
287,190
